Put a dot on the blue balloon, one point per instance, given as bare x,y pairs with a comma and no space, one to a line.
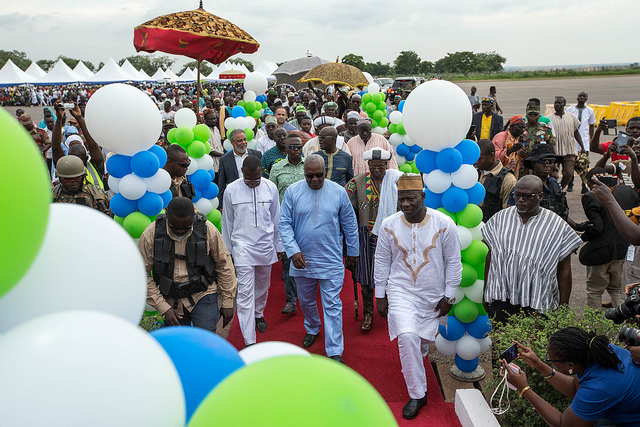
455,329
449,160
432,200
119,165
145,164
402,150
455,199
361,93
166,198
415,148
480,327
211,192
197,195
238,111
401,106
212,174
150,204
160,154
426,161
121,206
466,365
200,179
410,156
470,151
202,359
261,98
476,194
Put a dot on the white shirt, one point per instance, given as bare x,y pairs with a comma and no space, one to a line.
313,145
239,160
167,116
250,223
426,267
265,143
587,118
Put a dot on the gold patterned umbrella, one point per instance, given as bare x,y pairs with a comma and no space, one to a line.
335,73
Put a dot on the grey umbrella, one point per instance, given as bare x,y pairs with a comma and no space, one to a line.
292,71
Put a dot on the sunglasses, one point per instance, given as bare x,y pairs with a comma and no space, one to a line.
314,175
525,196
184,165
546,161
296,146
175,228
546,359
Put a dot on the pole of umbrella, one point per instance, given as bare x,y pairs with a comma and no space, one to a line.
198,85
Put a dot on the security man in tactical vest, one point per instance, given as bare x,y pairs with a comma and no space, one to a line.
177,164
498,181
71,188
187,266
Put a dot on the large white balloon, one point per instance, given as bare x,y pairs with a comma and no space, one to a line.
475,291
368,76
395,117
437,115
185,117
255,82
375,88
270,349
465,237
485,344
465,177
229,123
438,181
84,368
160,182
134,115
249,96
468,347
87,262
446,347
379,130
132,187
205,162
114,184
193,166
227,145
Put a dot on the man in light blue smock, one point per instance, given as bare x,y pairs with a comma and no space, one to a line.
313,216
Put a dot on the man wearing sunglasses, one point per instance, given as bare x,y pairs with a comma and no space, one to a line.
529,261
187,265
177,164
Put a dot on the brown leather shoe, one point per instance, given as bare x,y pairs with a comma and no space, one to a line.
367,322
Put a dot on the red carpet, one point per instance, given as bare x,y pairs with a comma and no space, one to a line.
370,354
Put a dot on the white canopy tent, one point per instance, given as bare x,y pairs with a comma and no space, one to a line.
140,75
160,76
12,75
111,73
187,77
60,74
83,70
35,71
171,75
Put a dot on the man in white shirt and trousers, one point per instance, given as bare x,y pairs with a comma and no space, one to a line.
250,216
423,246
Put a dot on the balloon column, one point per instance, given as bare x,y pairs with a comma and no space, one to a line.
405,149
373,103
437,116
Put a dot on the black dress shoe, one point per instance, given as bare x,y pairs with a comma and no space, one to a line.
412,407
308,340
261,325
289,308
338,359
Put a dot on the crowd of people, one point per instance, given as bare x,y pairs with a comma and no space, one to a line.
320,190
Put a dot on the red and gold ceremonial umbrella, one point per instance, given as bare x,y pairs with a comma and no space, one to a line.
196,34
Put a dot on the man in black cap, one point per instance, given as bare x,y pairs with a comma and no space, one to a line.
488,124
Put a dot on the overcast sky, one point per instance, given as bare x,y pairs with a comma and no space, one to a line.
534,33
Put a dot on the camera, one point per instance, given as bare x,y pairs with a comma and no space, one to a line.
629,308
629,336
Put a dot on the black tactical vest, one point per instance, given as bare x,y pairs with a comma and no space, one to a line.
492,201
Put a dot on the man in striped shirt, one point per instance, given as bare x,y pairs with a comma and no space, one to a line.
566,127
528,265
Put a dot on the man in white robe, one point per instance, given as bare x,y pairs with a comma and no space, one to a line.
250,218
423,247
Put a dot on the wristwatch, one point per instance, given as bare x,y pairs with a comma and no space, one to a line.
450,301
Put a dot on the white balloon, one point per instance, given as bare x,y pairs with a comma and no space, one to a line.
215,203
193,166
72,271
205,162
400,160
460,293
255,82
475,291
368,76
437,115
379,130
465,177
249,96
467,347
375,88
132,187
407,140
203,205
395,117
476,232
395,139
270,349
465,237
160,182
445,347
485,344
185,117
438,181
229,123
132,111
249,122
253,144
86,368
227,145
114,184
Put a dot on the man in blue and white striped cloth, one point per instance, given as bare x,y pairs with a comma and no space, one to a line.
528,265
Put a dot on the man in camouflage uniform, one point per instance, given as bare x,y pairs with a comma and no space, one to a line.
71,189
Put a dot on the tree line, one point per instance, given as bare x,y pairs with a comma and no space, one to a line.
409,63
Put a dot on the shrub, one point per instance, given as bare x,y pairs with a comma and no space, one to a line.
151,321
534,332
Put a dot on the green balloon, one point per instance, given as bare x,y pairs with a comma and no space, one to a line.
466,310
481,310
184,135
370,107
383,122
378,115
476,254
255,114
315,391
171,135
229,133
135,223
207,147
366,98
414,168
392,128
201,132
383,97
381,106
406,168
118,219
400,129
448,213
250,107
25,196
264,104
242,103
469,217
249,133
469,275
375,98
374,123
196,149
215,217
